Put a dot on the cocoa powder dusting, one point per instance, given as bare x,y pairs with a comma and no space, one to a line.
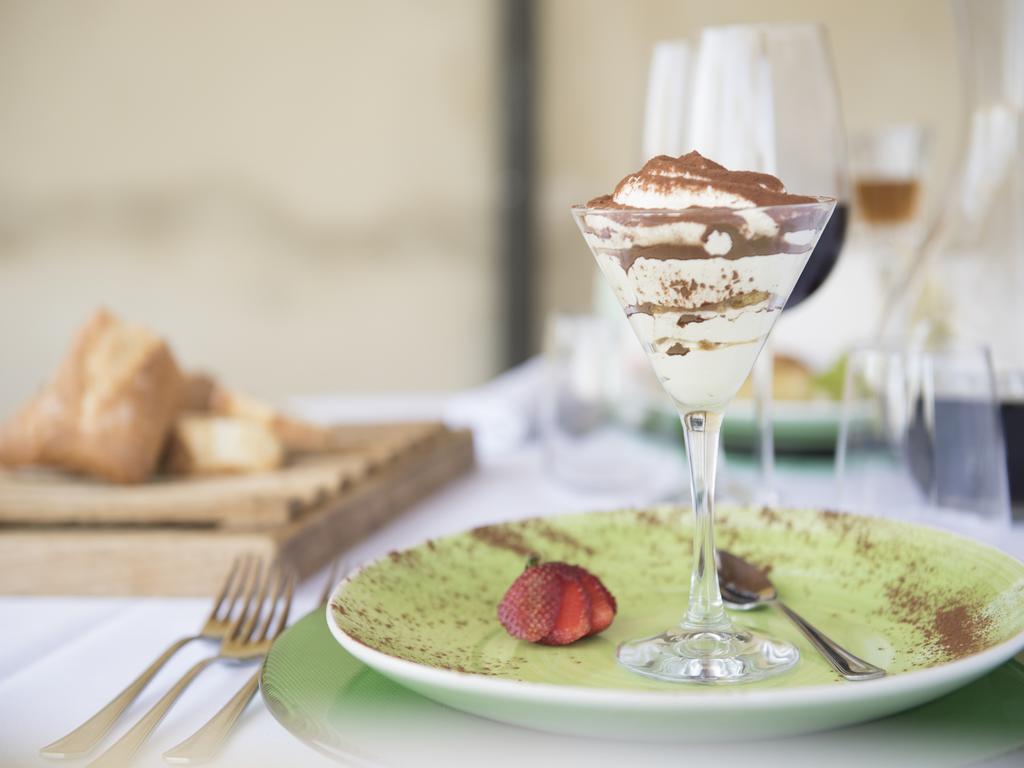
667,175
960,630
951,625
501,537
555,536
769,515
648,518
839,521
864,543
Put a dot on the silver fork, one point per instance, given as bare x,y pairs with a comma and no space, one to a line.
249,638
205,743
88,734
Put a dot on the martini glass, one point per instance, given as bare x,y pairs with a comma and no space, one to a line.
702,288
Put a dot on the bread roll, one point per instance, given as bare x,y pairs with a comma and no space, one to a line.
294,434
209,445
108,409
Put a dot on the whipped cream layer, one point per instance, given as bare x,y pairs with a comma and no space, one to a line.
674,183
702,266
702,322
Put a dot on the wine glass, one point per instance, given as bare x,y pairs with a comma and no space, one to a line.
764,98
921,436
666,107
591,412
888,164
702,288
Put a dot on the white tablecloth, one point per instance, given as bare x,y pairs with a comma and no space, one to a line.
61,658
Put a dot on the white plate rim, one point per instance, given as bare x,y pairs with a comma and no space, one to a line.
953,672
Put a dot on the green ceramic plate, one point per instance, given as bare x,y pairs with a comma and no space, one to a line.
339,706
935,610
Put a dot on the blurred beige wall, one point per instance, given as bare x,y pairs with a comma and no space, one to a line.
895,61
298,193
301,194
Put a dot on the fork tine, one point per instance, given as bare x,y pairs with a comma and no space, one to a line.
252,584
228,581
254,615
271,604
237,588
283,618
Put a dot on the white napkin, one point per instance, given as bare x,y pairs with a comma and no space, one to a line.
503,412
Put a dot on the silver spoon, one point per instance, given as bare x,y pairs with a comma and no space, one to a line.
745,586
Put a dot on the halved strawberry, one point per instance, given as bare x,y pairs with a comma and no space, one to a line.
602,604
556,604
531,605
573,621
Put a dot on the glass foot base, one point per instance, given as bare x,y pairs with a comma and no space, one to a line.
707,656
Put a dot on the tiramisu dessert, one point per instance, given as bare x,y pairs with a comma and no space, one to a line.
702,259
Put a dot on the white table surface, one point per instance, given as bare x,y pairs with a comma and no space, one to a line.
63,657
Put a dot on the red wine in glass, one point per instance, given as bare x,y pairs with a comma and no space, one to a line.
823,258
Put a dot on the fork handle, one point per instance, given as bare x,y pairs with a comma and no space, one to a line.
845,663
206,742
125,747
88,734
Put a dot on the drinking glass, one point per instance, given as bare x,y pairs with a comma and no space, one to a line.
596,417
702,316
668,94
888,165
764,98
888,169
1010,388
921,436
666,111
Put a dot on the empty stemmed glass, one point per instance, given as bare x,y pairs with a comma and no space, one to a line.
764,98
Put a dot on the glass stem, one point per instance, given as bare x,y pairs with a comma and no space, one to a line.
764,371
705,611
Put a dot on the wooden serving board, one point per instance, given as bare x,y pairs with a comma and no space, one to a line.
63,535
265,499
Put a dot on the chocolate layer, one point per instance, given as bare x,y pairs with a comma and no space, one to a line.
735,301
717,223
679,349
741,248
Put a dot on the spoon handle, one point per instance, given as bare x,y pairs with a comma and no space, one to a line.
845,663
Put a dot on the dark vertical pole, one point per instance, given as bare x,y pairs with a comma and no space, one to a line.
517,236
